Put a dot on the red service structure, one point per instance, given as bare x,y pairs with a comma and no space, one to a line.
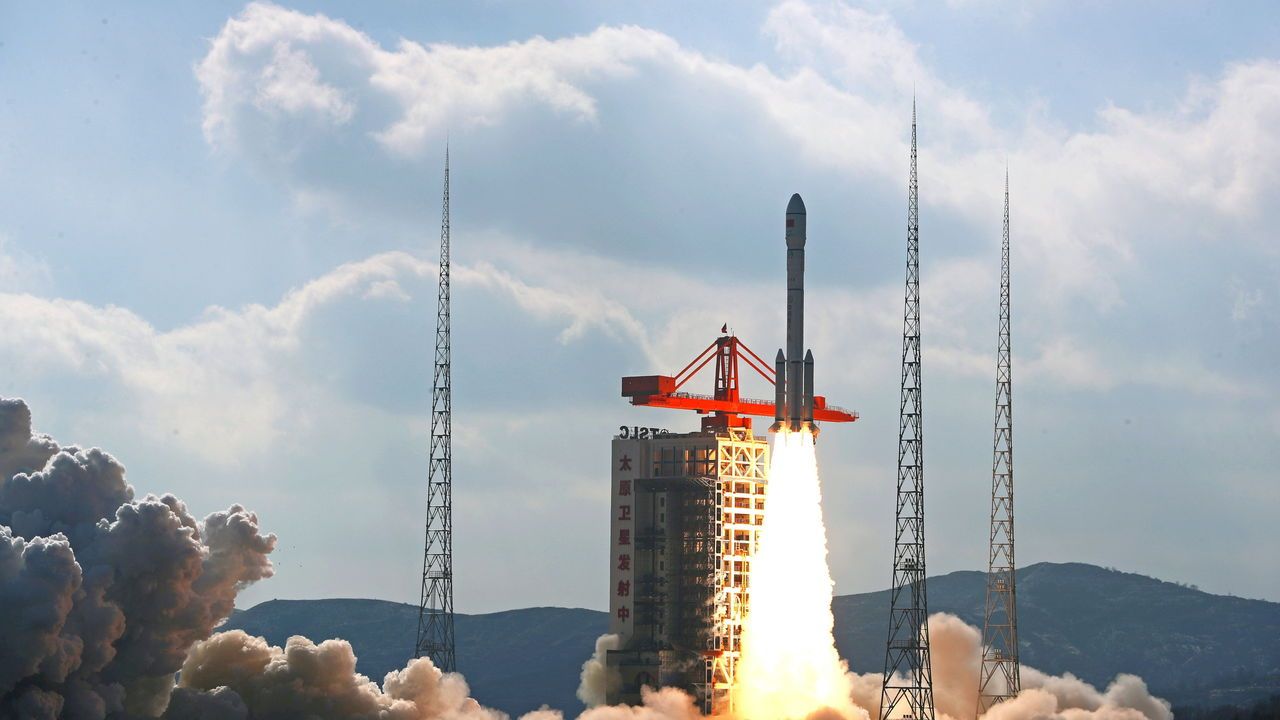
725,408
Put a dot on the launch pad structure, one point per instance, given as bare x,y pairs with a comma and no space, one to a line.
687,510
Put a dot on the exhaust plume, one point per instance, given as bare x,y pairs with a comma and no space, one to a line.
790,668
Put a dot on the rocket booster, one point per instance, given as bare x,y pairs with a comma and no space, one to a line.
793,386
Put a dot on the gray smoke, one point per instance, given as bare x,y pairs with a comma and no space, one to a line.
218,704
663,704
102,595
104,598
235,676
956,650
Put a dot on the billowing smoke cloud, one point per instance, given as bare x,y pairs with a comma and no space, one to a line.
956,652
595,681
102,595
664,704
234,676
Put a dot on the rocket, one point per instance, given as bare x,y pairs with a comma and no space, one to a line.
793,384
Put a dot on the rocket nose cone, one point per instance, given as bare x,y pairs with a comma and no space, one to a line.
796,220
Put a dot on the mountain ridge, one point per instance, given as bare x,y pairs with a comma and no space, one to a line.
1191,646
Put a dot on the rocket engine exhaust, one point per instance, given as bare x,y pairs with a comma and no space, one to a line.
793,396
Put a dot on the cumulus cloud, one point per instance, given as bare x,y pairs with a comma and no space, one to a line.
1091,206
267,60
323,108
225,372
1077,193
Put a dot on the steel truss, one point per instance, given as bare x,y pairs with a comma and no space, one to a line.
907,686
999,678
435,609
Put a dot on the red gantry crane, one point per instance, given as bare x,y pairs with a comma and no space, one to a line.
726,408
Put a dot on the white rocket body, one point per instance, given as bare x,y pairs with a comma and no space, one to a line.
794,381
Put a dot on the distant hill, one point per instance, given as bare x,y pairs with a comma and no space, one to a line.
1189,645
1192,647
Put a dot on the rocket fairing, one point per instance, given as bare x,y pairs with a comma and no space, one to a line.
794,372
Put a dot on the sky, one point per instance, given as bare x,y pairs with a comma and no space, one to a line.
219,226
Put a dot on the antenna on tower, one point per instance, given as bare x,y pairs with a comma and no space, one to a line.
435,609
999,676
908,678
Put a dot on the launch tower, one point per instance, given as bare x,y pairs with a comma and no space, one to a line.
686,515
999,679
907,689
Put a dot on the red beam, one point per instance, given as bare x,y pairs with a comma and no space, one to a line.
759,409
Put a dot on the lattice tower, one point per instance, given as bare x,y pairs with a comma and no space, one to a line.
999,679
435,609
907,687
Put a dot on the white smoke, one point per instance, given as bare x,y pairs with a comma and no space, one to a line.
596,681
956,653
663,704
233,673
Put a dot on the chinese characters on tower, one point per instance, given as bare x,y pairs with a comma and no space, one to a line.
622,538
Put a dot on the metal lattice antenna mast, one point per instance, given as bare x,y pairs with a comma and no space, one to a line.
435,610
907,688
999,677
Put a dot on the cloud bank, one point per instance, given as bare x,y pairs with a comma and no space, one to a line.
615,194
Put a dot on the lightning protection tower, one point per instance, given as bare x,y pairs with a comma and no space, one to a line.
907,688
998,679
435,609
